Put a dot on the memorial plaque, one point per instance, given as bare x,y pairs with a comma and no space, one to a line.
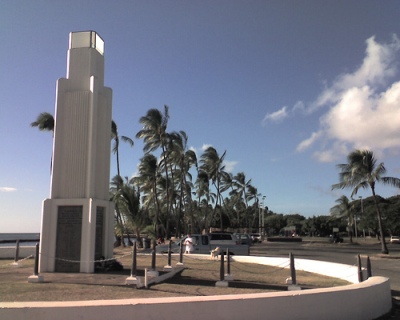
69,234
98,254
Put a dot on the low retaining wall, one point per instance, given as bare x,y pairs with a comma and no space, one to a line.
330,269
367,300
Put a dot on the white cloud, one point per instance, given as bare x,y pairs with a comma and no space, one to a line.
205,146
308,142
230,166
378,66
7,189
364,110
276,116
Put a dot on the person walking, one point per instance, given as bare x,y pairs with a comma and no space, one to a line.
188,244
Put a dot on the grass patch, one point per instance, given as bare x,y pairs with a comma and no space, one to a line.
198,279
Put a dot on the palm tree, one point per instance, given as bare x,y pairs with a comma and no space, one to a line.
204,197
148,180
212,164
44,122
116,138
362,171
118,180
155,136
183,159
252,194
344,209
241,189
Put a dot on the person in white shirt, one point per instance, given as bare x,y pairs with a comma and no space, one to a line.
188,244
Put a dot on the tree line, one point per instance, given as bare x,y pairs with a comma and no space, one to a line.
176,191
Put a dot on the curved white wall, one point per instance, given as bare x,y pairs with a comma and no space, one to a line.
367,300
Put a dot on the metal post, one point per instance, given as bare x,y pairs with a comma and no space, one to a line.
369,269
360,275
355,225
36,268
169,253
222,269
134,265
181,252
292,268
228,262
153,255
16,258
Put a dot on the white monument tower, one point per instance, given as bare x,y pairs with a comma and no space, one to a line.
78,218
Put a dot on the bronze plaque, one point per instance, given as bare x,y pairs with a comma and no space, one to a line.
69,234
98,252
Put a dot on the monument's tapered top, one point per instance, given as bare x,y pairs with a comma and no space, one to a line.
86,39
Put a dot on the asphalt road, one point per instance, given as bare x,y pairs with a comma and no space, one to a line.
321,249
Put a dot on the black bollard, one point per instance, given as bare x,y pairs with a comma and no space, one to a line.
181,252
228,262
222,269
16,258
292,268
360,275
134,263
169,253
369,270
153,256
36,268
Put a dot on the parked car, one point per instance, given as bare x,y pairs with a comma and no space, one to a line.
202,244
255,237
394,239
220,238
335,239
244,238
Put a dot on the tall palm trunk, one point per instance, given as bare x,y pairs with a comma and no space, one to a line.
384,248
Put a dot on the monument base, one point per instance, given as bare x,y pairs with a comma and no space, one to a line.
168,268
223,284
228,277
75,231
294,287
133,281
35,279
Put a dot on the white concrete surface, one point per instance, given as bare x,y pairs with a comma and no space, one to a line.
363,301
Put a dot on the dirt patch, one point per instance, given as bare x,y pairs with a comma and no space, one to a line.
198,279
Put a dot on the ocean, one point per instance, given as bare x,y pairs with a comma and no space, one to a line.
26,239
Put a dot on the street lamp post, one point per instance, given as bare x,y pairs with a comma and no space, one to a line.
355,224
362,213
261,217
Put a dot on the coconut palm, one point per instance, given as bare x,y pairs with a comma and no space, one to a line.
183,159
148,179
116,138
204,197
213,165
130,200
344,209
155,136
362,171
240,190
119,181
44,122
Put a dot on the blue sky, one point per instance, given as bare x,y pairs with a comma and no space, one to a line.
287,88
